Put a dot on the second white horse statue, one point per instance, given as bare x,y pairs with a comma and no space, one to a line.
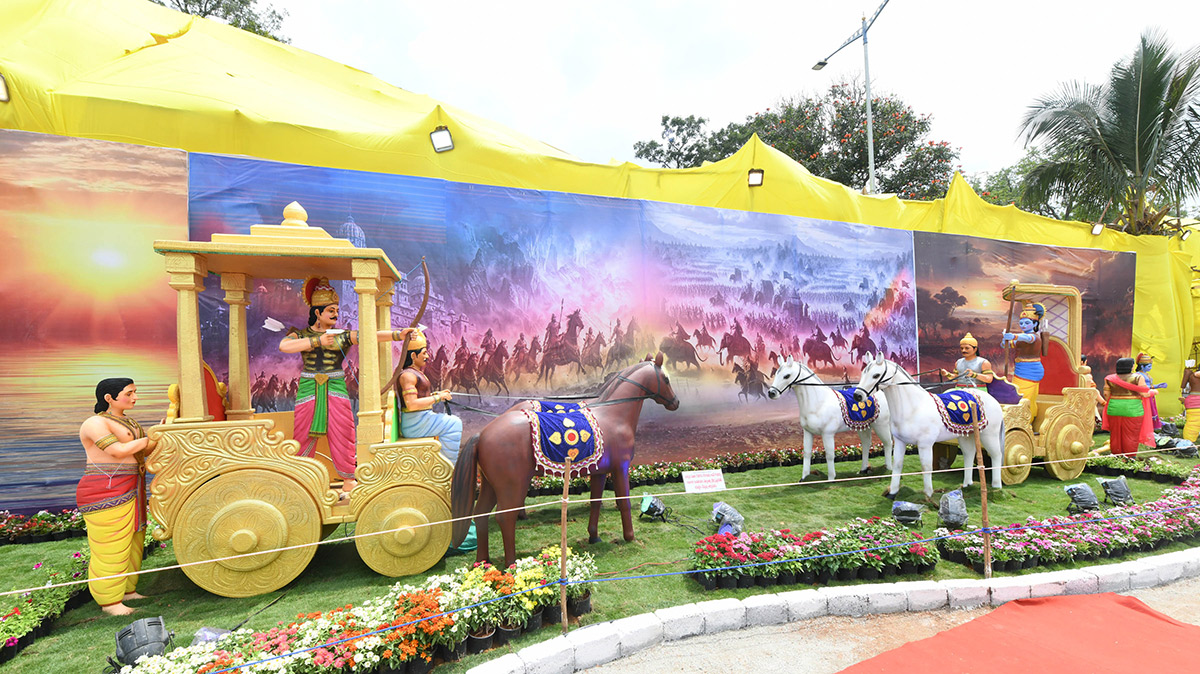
921,418
824,412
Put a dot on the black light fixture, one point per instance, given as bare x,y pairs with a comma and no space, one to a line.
441,139
148,636
653,507
754,178
1184,236
3,90
1097,228
729,520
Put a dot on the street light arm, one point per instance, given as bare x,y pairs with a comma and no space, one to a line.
858,33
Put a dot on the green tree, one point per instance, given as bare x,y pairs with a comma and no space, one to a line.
1068,200
262,20
1133,143
685,143
828,135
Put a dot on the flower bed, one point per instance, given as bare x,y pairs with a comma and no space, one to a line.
864,548
407,627
39,528
663,472
1144,468
32,615
1089,536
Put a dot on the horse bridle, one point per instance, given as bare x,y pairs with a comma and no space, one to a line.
653,395
875,386
798,382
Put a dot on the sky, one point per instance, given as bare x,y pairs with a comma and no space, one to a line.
594,78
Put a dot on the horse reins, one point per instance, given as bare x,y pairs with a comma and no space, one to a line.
649,394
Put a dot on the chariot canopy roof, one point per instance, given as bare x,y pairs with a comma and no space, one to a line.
289,250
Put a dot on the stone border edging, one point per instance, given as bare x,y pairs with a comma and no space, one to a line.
605,642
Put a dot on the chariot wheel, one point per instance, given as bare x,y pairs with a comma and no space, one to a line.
242,512
1018,455
1067,446
409,543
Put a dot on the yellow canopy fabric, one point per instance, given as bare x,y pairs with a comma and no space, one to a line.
135,72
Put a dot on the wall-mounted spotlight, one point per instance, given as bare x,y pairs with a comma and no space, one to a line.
1184,236
440,137
755,178
3,90
1097,228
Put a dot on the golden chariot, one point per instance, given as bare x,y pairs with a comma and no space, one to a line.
228,487
1066,398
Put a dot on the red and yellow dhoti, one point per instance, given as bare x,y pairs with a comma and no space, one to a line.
112,499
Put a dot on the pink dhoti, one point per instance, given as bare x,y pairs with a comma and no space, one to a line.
323,408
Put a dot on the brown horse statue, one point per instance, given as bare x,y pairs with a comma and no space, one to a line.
502,456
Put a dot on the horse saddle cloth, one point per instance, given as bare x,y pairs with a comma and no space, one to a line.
554,406
955,408
557,434
857,416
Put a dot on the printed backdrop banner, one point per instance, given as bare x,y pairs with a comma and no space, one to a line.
959,279
536,293
533,293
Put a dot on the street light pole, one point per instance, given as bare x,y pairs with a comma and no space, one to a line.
870,133
862,32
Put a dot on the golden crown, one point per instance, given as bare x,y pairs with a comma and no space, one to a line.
1143,359
1033,311
416,341
969,339
318,292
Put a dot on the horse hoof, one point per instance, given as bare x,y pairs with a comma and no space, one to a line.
592,540
865,471
629,538
522,515
889,495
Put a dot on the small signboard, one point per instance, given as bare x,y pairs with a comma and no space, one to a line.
703,481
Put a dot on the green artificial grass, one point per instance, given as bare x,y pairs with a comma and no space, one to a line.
82,638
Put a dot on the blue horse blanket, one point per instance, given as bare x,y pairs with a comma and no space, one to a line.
564,430
955,408
857,416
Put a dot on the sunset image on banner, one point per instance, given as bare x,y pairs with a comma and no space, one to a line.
86,295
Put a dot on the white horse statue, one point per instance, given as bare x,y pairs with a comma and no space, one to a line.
822,413
921,418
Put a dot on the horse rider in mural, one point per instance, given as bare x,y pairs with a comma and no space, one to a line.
1029,347
322,401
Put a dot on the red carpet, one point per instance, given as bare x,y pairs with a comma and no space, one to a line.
1056,635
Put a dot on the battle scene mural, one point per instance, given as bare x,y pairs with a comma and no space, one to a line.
540,293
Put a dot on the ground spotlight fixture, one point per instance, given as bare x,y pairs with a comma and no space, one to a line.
729,521
440,137
3,90
820,64
148,636
754,178
1097,228
653,507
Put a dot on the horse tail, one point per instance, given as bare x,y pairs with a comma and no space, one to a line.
462,491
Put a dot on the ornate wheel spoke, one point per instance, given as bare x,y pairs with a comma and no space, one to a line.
237,514
399,539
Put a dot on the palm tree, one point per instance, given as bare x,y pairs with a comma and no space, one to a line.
1133,143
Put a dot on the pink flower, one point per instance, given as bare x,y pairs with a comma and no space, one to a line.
37,566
